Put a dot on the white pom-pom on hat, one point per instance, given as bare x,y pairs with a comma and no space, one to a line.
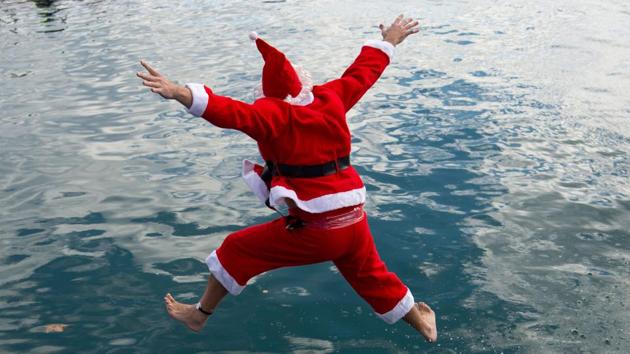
253,35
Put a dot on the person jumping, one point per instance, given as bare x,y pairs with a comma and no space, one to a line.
303,137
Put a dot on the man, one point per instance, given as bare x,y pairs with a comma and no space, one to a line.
302,135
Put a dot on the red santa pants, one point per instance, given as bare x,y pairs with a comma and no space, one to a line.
260,248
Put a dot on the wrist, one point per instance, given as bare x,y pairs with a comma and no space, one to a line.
390,41
183,95
178,92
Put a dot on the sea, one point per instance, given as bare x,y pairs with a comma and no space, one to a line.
495,150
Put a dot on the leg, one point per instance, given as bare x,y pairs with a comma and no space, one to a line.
188,314
389,297
261,248
249,252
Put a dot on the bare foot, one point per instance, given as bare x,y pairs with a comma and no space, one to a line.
422,318
429,328
188,314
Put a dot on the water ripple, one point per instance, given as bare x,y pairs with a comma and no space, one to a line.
495,151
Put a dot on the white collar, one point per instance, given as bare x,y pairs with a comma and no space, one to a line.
302,99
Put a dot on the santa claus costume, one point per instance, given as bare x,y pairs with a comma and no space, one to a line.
304,139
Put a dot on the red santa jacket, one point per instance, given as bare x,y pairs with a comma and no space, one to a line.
309,134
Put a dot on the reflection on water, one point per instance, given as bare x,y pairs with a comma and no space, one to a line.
495,151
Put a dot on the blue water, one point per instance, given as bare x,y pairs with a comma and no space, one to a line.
495,150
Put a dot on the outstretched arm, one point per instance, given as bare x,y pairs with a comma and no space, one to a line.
261,120
371,62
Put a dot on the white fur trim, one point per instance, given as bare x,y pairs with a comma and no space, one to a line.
200,99
320,204
302,99
254,182
399,311
217,270
253,35
384,46
305,97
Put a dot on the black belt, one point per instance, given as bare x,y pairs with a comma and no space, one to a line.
307,171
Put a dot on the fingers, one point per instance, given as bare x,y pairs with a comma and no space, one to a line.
155,86
157,82
147,77
412,31
412,28
151,84
149,68
411,24
151,81
405,24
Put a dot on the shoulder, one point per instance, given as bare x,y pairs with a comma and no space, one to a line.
324,89
266,101
270,104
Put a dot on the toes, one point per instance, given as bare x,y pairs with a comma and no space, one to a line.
424,307
170,308
169,299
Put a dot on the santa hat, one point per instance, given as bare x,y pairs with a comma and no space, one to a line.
279,78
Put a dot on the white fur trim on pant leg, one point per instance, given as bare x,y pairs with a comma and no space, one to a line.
200,99
399,311
254,182
384,46
217,270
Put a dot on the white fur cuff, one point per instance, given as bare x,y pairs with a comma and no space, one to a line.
200,99
384,46
222,275
399,311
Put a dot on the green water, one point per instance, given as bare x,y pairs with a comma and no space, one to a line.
495,150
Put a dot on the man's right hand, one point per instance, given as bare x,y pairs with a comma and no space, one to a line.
399,30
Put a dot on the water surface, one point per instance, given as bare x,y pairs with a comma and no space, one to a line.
495,150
